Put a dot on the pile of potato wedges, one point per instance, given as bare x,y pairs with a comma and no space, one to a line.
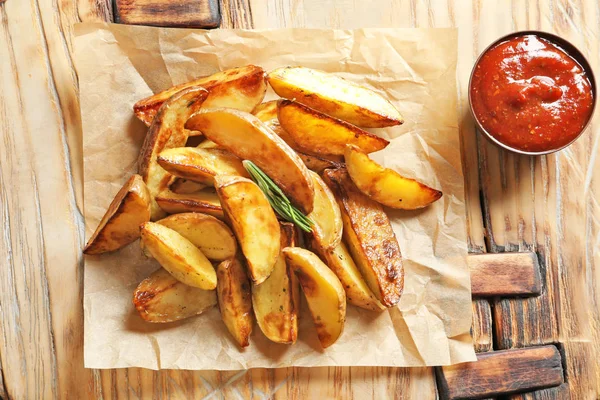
212,229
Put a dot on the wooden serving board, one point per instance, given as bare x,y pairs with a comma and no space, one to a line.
173,13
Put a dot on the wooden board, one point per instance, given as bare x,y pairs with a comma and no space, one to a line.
180,13
556,393
504,274
501,373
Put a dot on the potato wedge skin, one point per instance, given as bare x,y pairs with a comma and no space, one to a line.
200,165
120,225
235,301
248,138
276,301
318,163
205,201
161,298
326,215
324,293
317,133
167,131
184,186
253,221
178,256
338,260
334,96
370,238
210,235
242,88
386,186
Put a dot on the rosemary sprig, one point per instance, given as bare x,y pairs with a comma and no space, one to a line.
278,200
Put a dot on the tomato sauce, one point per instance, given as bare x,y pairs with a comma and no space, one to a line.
531,95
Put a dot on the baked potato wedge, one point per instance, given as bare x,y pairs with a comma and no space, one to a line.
324,293
208,144
185,186
167,131
178,256
276,301
338,260
120,225
386,186
235,301
326,215
210,235
247,137
162,298
318,163
242,88
200,165
253,221
334,96
205,201
370,238
317,133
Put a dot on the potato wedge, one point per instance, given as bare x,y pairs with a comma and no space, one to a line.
248,138
120,225
210,235
242,88
324,293
178,256
317,133
253,221
276,301
334,96
235,301
185,186
200,165
167,132
386,186
162,298
318,163
326,215
208,144
370,238
339,261
205,201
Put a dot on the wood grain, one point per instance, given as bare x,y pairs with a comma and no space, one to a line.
501,373
182,13
504,274
482,326
556,393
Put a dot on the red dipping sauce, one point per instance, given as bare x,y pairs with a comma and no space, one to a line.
531,95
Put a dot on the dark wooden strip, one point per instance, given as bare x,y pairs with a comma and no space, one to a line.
502,373
556,393
504,274
181,13
482,326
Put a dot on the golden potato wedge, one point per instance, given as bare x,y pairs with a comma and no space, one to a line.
167,132
210,235
208,144
235,301
248,138
326,215
370,238
339,261
242,88
276,301
185,186
120,225
266,111
178,256
386,186
318,163
200,165
205,201
253,221
324,293
317,133
334,96
162,298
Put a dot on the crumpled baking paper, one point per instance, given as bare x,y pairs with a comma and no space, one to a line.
413,68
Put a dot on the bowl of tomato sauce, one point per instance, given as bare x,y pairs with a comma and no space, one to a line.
532,93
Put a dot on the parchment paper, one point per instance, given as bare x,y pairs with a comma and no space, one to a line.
414,68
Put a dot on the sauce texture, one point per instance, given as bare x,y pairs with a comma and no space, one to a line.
531,95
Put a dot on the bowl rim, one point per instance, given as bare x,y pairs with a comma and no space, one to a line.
563,44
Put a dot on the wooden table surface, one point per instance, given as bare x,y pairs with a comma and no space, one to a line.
548,205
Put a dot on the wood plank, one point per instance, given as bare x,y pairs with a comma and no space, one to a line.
556,393
182,13
2,387
504,274
502,372
482,326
